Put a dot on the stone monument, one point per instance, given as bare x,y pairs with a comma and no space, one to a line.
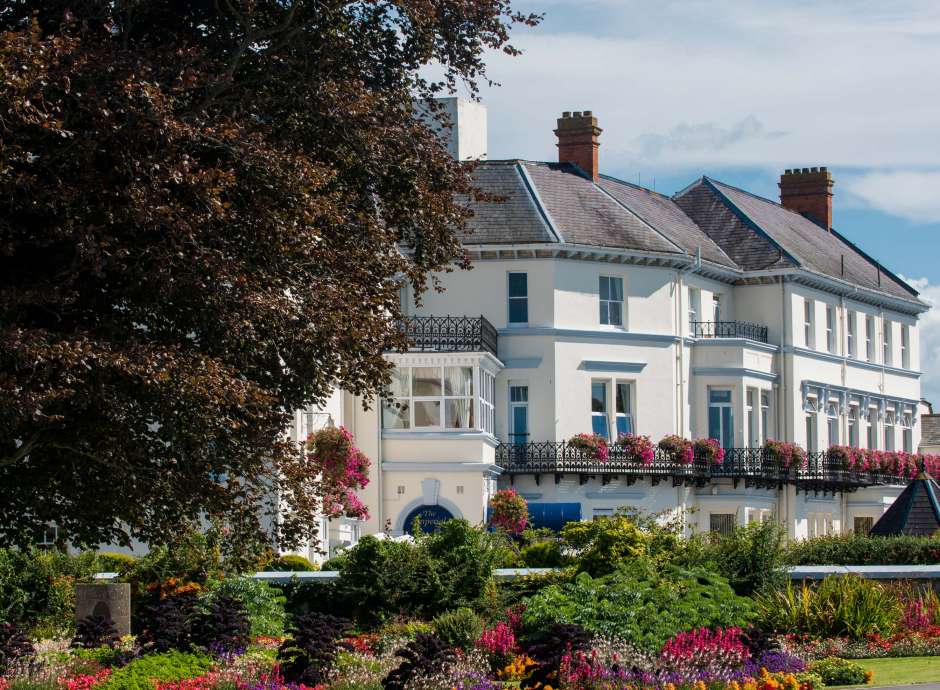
110,600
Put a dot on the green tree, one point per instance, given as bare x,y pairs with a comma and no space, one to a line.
207,211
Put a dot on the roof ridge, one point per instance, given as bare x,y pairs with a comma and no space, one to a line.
536,199
640,218
635,186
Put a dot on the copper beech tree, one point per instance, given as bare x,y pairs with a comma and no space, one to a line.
207,211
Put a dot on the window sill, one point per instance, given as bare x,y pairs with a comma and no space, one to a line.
449,434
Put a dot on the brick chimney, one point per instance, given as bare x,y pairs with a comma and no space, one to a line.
808,191
577,141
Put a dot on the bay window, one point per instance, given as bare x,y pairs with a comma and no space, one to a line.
440,398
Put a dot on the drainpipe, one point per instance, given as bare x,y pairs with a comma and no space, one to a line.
786,508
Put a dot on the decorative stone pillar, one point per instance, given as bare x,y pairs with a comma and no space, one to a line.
108,600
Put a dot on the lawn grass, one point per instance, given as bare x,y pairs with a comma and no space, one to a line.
902,670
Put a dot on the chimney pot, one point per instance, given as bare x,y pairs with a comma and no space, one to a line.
808,191
578,134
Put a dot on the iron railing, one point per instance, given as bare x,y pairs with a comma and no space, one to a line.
450,334
729,329
754,466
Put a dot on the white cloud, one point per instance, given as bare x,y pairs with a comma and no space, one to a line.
845,83
911,194
929,326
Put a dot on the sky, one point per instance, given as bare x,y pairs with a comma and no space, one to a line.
740,90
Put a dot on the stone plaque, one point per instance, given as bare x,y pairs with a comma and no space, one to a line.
110,600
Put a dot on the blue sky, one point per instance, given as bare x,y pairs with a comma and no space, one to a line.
740,90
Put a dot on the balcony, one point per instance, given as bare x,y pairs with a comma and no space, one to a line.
450,334
753,466
729,329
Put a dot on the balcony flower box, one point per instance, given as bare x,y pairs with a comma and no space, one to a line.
679,449
709,450
638,449
591,445
784,455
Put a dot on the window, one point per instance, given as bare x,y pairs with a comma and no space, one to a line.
624,409
853,426
487,400
716,309
401,489
832,418
889,432
863,525
695,304
460,489
809,337
518,414
819,524
869,338
312,419
599,409
764,416
872,428
888,350
603,512
757,515
811,436
830,328
437,397
47,536
853,353
907,430
611,294
721,523
518,298
720,424
906,346
751,418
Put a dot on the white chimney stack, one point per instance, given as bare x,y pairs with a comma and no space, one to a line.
466,139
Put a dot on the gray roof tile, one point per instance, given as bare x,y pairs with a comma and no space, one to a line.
515,218
814,247
666,216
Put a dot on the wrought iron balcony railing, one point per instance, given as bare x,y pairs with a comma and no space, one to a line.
754,466
729,329
450,334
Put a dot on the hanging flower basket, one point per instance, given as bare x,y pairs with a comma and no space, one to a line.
637,449
709,450
784,455
679,449
592,445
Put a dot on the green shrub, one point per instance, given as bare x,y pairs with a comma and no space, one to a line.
169,666
37,588
543,554
290,563
263,603
603,544
460,628
751,557
846,605
860,549
835,671
384,579
464,558
113,562
644,603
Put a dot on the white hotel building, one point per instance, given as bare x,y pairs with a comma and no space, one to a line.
596,304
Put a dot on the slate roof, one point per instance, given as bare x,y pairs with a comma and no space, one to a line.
813,247
915,512
930,430
554,203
